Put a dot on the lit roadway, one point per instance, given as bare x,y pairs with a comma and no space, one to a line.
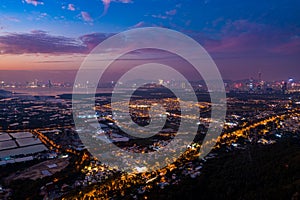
125,181
128,180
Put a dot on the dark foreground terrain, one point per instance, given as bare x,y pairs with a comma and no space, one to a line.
259,172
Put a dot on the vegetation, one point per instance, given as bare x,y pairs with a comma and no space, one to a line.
260,172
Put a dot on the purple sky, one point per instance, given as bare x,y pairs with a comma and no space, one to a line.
243,37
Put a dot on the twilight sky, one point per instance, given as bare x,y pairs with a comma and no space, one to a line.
243,37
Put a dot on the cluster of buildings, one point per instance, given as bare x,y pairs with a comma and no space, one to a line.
19,147
252,85
35,127
34,84
262,121
263,87
28,112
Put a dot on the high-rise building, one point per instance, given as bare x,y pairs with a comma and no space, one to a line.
49,84
251,85
161,81
284,87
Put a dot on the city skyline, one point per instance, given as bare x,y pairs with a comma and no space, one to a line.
243,38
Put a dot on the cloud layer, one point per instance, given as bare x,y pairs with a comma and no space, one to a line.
71,7
34,2
236,38
86,16
38,41
107,3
